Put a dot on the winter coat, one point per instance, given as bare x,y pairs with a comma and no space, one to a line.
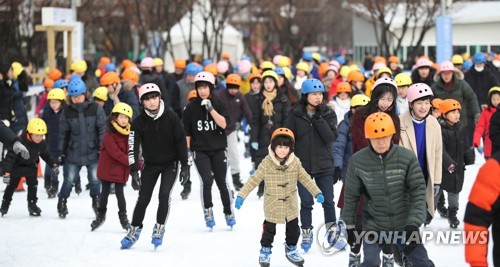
482,130
126,96
314,138
495,132
262,126
162,140
201,127
153,77
454,146
113,160
415,78
393,186
280,190
460,91
332,87
21,117
81,130
52,120
19,167
481,83
482,211
433,151
341,107
5,101
7,137
184,89
251,99
41,104
238,107
342,147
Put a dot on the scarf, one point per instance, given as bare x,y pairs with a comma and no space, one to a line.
267,104
160,111
121,130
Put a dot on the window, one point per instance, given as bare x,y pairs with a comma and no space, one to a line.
477,48
459,49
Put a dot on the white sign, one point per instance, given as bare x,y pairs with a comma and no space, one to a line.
57,16
76,41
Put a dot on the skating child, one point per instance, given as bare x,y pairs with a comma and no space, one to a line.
483,125
302,75
205,120
280,171
341,101
51,116
403,81
357,81
113,166
100,95
454,156
158,131
17,167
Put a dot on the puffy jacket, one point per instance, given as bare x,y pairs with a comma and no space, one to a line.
126,96
454,146
495,132
7,137
5,101
237,106
460,91
81,130
21,117
342,147
19,167
113,160
482,130
481,83
314,138
52,120
393,186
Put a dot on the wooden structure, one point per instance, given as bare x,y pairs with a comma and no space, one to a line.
51,42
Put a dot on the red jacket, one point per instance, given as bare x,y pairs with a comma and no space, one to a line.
333,88
113,161
483,130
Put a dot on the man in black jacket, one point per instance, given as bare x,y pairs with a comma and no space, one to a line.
495,132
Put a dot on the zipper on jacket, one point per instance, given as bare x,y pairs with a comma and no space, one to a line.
384,175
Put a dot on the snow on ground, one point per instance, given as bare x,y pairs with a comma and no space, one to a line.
50,241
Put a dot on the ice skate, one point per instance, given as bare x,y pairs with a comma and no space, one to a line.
62,208
33,209
452,218
307,239
230,220
293,255
265,257
99,220
5,207
387,260
354,259
124,220
209,218
132,236
157,237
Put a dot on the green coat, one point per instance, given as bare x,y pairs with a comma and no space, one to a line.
280,191
393,186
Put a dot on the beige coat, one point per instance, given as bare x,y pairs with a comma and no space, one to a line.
280,191
434,151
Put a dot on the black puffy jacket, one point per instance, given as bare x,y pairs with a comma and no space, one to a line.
454,147
481,83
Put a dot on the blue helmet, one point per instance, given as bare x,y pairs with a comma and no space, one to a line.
206,62
467,65
311,86
479,57
193,69
76,87
307,56
60,83
246,58
279,71
340,59
110,67
74,77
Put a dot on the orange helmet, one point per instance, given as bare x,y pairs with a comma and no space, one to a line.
283,132
110,78
436,102
48,83
254,75
379,59
344,87
233,79
449,105
212,68
355,76
104,61
393,59
323,68
55,74
192,94
127,63
226,56
180,63
131,75
378,125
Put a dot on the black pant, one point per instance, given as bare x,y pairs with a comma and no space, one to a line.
269,231
32,183
120,197
149,177
213,162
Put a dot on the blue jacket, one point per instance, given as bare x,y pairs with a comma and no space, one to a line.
342,147
81,130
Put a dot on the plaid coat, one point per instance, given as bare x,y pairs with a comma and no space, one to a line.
280,191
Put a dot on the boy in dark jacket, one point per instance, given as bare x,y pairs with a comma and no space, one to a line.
454,156
495,131
17,167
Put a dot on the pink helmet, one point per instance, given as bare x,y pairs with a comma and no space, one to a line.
381,81
222,66
276,59
148,88
136,69
147,62
423,62
334,63
446,66
378,66
418,90
205,76
244,66
334,68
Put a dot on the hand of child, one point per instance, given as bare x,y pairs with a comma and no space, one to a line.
208,104
320,198
255,145
136,181
239,202
6,178
19,148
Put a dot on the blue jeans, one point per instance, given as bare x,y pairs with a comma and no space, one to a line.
325,184
71,171
371,255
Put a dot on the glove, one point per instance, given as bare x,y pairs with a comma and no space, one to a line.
337,173
20,148
320,198
190,158
136,181
6,178
184,175
436,189
412,238
208,104
62,159
321,109
55,170
451,168
239,202
255,145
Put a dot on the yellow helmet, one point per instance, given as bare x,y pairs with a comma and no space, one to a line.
270,73
98,73
101,93
56,94
403,79
37,126
284,61
288,72
267,65
124,109
359,100
17,68
303,66
457,60
354,67
158,62
79,66
316,56
492,90
344,71
384,70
